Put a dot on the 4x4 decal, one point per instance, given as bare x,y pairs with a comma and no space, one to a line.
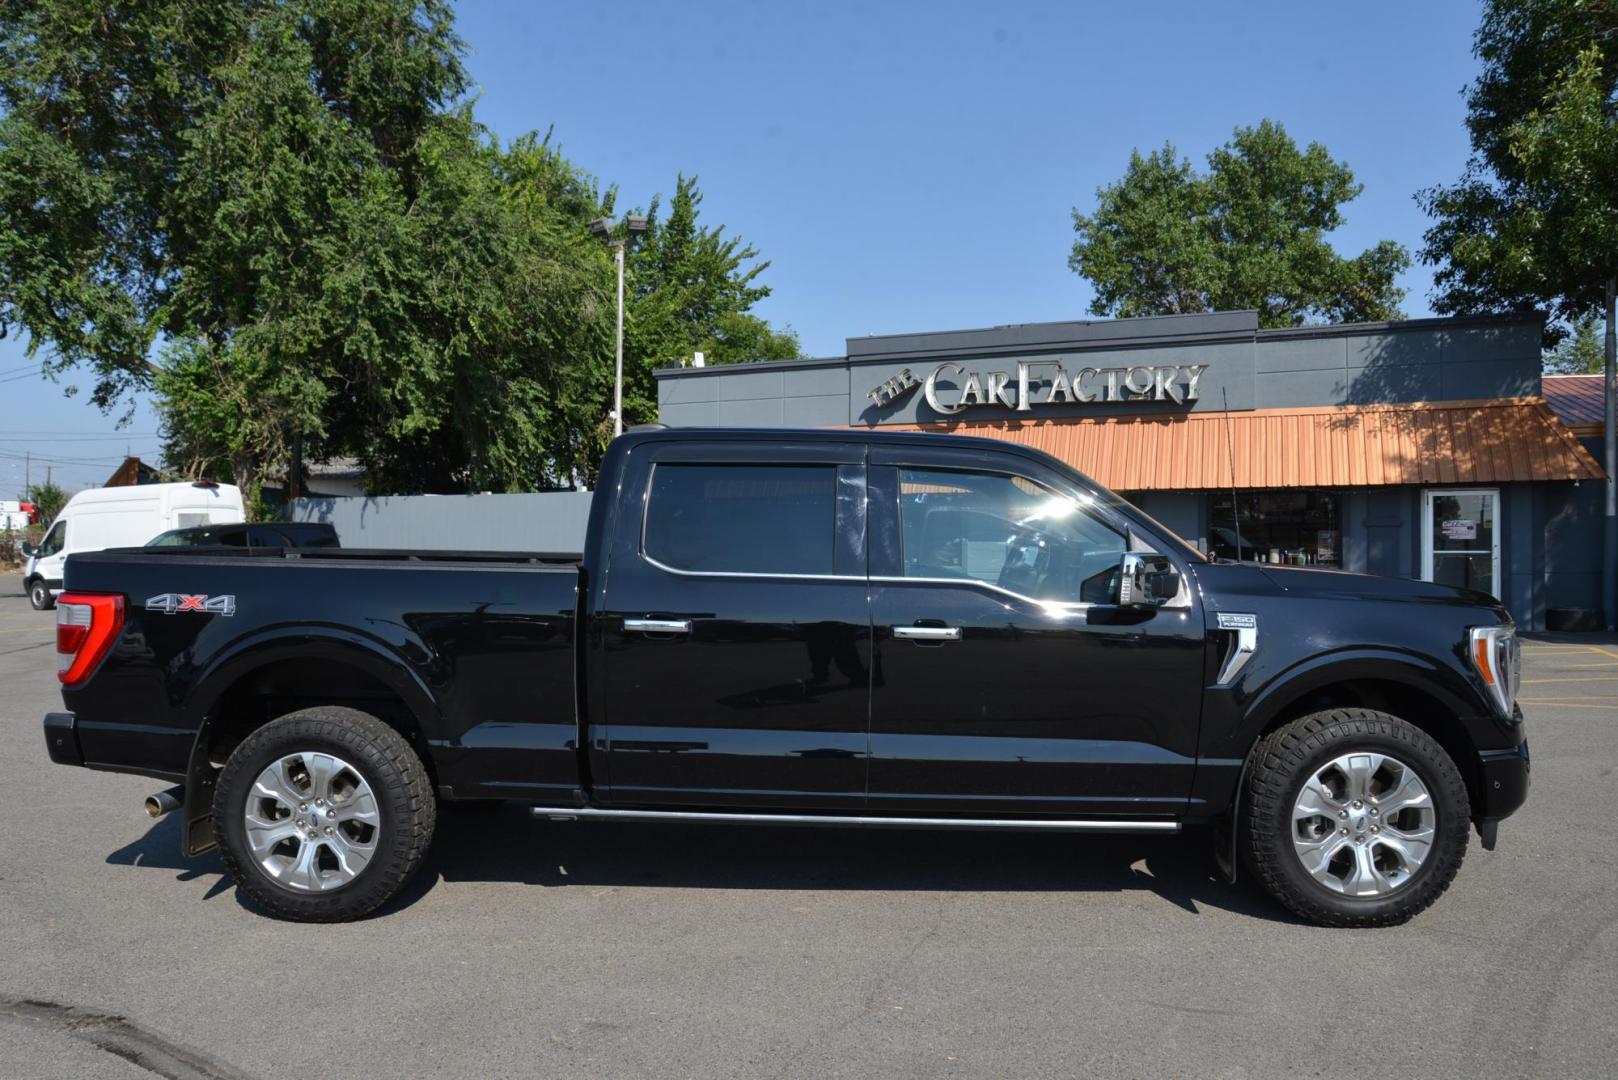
172,603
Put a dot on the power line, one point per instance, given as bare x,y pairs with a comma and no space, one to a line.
78,438
12,455
8,432
25,375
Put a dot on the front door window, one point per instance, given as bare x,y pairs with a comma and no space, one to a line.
1461,539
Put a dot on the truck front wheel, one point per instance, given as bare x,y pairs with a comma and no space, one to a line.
1355,818
323,814
39,595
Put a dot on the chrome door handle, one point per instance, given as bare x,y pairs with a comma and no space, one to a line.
658,626
928,633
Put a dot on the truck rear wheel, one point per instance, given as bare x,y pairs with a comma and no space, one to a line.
1355,818
323,814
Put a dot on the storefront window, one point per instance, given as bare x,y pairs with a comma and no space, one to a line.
1299,528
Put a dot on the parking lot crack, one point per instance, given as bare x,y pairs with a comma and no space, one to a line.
116,1035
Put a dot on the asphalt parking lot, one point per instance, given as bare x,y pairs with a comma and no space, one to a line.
616,950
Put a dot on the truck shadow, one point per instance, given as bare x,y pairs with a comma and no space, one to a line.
503,844
500,843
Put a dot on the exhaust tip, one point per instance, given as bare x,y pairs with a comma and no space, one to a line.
164,801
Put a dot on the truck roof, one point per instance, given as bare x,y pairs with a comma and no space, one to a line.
874,436
870,435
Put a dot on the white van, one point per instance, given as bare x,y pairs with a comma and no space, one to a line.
123,517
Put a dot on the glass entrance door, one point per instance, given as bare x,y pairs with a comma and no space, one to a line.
1460,538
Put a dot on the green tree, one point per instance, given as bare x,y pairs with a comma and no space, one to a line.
691,289
48,500
1581,352
280,217
174,172
1250,232
1532,224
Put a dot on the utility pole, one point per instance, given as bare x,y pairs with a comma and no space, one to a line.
1609,545
27,471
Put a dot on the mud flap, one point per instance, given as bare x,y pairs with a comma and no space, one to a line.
197,836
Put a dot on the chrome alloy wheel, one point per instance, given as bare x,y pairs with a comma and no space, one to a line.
1363,824
312,822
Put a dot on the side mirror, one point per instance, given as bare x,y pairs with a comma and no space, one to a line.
1146,580
28,550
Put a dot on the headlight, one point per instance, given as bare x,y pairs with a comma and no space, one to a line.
1497,658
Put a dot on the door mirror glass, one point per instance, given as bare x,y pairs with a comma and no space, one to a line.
28,550
1146,580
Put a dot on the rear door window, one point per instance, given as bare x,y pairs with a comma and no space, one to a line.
742,519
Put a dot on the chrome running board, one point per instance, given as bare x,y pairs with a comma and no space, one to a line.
717,817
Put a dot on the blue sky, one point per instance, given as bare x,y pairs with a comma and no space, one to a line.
913,166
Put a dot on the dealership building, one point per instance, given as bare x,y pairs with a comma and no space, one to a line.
1430,448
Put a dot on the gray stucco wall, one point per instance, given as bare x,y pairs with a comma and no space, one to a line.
545,521
1245,367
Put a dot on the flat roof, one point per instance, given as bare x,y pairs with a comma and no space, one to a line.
1145,332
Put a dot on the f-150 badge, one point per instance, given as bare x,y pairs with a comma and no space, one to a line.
175,603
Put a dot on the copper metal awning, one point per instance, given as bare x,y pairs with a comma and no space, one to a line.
1499,440
1578,401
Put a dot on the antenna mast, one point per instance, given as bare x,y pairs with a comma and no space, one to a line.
1230,448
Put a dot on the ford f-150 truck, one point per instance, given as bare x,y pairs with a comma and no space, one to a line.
804,628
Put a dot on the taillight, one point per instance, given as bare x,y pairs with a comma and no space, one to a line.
86,626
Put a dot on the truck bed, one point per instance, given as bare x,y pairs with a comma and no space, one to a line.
472,651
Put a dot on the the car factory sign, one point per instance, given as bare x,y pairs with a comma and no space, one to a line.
952,388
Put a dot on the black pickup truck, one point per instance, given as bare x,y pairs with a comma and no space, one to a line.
804,628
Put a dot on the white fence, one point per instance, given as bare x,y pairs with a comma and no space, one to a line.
546,521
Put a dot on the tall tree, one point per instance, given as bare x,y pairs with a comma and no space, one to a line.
1580,353
174,172
692,289
279,217
1250,232
1532,224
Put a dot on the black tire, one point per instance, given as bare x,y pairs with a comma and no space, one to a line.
397,779
39,595
1289,756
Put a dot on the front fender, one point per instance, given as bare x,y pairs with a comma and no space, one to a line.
1430,676
1235,717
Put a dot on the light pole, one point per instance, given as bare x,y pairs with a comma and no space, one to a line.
634,225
